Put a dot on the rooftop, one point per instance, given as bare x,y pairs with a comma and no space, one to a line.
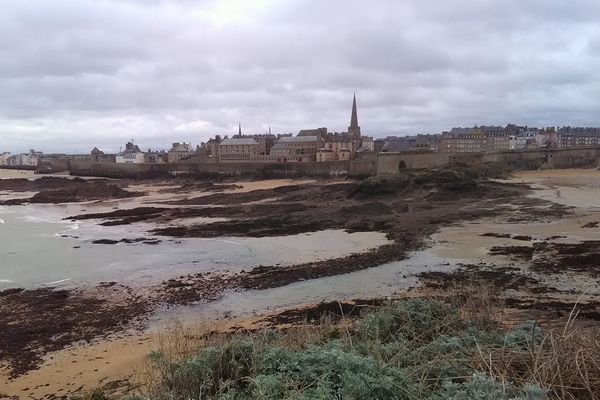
239,142
396,145
297,139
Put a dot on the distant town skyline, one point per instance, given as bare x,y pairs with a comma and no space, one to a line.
74,75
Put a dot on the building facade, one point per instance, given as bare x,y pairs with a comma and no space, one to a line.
463,140
297,148
422,143
231,150
578,137
131,155
4,157
179,151
497,138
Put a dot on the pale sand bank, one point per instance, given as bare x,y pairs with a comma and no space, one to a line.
120,362
15,173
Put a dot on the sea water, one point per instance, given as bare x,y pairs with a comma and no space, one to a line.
39,248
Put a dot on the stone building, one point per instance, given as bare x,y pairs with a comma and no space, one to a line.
396,145
367,144
523,140
322,132
179,151
131,155
497,138
4,158
337,148
242,149
29,160
547,138
265,141
297,148
98,155
578,137
463,140
156,157
212,147
378,145
419,142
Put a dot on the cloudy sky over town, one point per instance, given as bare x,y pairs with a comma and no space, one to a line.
78,74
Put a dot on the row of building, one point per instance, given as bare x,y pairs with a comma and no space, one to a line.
25,160
320,145
309,145
482,139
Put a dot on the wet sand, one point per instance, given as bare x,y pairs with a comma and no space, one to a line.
106,363
546,268
14,173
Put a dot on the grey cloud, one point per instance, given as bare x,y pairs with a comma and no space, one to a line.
78,74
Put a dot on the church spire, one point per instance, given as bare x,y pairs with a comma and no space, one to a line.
354,128
239,128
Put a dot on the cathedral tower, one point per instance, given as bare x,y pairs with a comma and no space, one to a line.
354,128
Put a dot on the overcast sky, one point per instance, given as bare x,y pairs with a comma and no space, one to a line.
75,74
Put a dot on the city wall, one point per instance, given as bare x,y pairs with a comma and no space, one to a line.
556,158
370,164
256,169
389,163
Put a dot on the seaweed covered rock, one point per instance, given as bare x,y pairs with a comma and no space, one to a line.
444,179
380,185
82,192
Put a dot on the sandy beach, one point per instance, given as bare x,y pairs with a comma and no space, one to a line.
13,174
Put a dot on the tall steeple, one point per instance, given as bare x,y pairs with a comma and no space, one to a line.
354,128
240,128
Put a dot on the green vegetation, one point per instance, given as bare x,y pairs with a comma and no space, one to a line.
411,349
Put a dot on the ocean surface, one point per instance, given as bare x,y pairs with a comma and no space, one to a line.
40,247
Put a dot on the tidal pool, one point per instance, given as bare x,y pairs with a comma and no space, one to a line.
39,248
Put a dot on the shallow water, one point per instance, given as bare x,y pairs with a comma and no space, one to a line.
385,280
38,248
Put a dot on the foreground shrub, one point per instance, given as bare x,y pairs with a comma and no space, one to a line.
412,349
482,387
